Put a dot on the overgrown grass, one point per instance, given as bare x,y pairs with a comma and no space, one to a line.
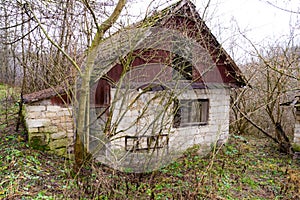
3,91
8,108
247,167
6,91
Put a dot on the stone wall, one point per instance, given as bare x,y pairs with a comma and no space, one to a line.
297,129
128,122
217,128
50,128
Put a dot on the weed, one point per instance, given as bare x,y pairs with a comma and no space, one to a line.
246,168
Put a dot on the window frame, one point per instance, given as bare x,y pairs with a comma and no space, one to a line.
180,107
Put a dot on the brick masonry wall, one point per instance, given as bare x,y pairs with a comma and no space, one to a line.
127,121
217,128
50,128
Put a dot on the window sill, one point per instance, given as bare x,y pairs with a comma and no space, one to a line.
192,125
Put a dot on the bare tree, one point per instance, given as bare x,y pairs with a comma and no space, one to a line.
273,78
51,40
83,114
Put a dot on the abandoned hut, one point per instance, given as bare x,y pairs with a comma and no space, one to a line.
49,120
169,92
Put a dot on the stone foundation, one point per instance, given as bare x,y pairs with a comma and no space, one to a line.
50,128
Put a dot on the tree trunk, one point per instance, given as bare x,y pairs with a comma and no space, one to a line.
82,134
283,141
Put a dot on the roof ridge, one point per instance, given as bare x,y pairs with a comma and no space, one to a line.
167,12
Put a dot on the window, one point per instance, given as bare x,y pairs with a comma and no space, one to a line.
191,112
181,61
102,99
183,69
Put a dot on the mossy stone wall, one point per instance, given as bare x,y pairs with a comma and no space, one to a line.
50,128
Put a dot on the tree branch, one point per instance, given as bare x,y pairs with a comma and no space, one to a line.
86,3
16,25
20,38
283,9
256,126
108,23
73,62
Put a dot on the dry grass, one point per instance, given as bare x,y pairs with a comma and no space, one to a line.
248,167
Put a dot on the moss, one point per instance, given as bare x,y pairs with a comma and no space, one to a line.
296,147
61,152
156,17
57,144
38,142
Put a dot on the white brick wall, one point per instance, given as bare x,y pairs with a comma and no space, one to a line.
57,123
36,108
183,137
37,122
297,133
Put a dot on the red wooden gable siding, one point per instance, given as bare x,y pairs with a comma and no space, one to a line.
145,67
61,100
188,27
224,70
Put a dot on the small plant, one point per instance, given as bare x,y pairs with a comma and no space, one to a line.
240,170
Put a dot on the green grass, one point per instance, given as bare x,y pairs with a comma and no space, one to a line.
248,167
8,107
3,91
7,91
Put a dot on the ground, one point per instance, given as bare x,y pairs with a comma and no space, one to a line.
247,167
